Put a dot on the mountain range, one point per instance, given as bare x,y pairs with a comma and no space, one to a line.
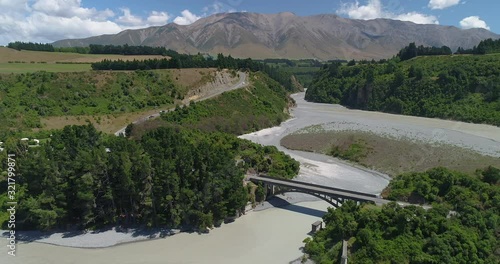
286,35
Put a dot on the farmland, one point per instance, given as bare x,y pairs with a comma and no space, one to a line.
14,61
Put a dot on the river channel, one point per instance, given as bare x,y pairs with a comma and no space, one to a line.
275,235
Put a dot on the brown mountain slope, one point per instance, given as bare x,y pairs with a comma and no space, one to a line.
286,35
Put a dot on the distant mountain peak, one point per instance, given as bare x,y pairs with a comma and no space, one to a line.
286,35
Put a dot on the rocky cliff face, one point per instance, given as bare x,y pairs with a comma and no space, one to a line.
286,35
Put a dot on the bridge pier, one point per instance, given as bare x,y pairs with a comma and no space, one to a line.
270,190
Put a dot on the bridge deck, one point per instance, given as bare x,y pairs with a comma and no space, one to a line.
319,189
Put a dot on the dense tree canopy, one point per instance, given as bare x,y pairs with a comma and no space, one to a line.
486,46
412,51
463,88
462,226
171,177
18,45
129,50
94,49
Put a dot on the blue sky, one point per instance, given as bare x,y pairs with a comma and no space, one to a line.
50,20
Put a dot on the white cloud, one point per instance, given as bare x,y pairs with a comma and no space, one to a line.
417,18
19,5
41,27
51,20
56,28
442,4
187,18
63,8
374,9
128,18
218,7
473,22
158,18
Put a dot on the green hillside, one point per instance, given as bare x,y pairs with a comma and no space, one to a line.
262,104
459,87
25,98
239,111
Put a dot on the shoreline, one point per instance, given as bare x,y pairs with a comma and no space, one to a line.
113,237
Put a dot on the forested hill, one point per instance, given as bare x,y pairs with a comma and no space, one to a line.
459,87
461,227
172,177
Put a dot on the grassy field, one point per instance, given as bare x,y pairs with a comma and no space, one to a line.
389,155
49,67
14,61
28,56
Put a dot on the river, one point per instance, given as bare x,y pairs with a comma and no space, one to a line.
275,235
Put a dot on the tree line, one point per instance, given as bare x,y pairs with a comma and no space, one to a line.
487,46
129,50
412,51
180,61
94,49
171,177
465,88
18,45
461,227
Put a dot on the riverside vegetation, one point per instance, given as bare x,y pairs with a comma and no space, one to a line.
459,87
461,227
463,224
171,177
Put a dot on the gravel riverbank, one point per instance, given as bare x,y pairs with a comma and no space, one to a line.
116,235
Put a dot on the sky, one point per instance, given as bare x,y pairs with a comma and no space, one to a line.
51,20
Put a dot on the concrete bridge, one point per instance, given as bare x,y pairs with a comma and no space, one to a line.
334,196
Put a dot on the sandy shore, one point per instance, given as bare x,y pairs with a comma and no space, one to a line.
116,236
92,239
267,236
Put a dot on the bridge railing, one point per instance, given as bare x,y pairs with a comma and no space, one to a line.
319,186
